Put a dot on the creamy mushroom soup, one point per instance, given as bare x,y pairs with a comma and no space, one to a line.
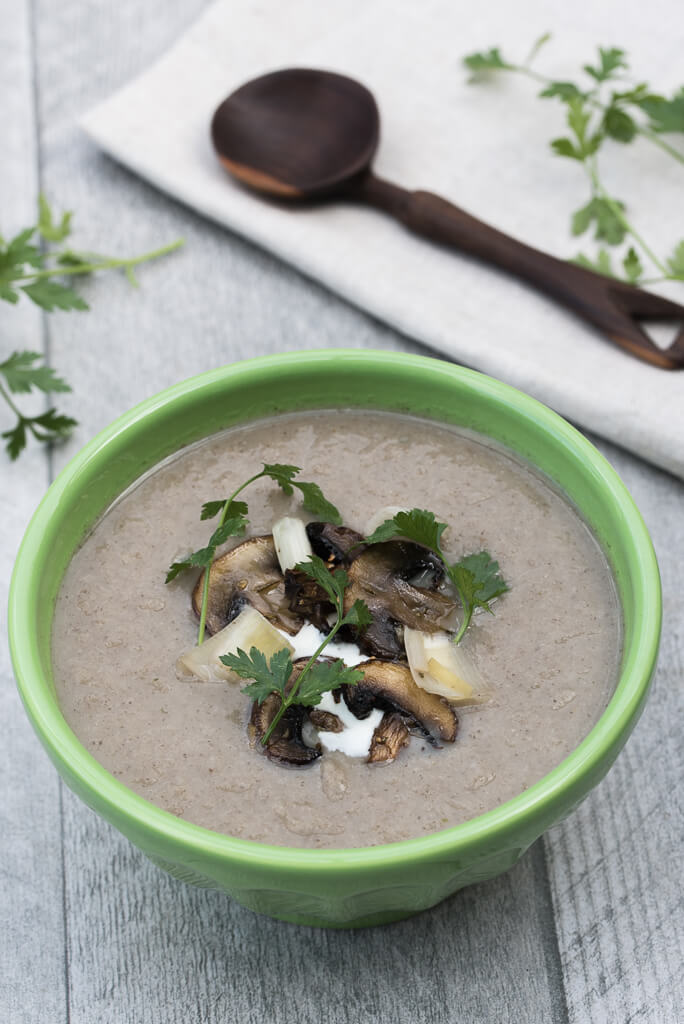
549,654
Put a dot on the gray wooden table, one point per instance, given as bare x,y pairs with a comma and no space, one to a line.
588,927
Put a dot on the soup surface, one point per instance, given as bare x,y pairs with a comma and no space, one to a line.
550,653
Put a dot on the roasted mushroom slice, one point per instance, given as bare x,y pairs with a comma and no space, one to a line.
326,721
249,574
390,686
285,745
307,599
333,543
389,737
382,577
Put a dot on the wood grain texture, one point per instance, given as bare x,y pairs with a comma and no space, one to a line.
31,905
144,948
615,865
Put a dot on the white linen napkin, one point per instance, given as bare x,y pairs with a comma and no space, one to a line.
483,146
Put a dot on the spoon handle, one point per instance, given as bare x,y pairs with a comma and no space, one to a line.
613,306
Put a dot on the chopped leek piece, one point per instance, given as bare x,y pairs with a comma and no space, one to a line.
291,542
249,629
439,666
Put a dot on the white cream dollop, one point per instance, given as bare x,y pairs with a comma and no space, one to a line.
355,738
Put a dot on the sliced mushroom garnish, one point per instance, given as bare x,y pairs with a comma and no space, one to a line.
334,544
308,600
390,686
326,721
381,576
249,574
285,744
389,737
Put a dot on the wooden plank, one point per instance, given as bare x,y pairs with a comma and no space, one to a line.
32,968
615,865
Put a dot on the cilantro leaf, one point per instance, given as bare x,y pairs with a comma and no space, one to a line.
268,677
565,147
51,231
22,375
50,295
233,526
325,676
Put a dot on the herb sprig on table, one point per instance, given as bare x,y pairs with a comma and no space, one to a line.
476,577
233,521
604,107
35,263
316,678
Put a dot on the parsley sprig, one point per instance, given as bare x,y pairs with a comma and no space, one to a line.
29,264
233,522
317,677
605,107
476,577
22,373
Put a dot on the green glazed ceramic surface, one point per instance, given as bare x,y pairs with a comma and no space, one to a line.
350,887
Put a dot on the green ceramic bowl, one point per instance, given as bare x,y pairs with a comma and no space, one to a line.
346,887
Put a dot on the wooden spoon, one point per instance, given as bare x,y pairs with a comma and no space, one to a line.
302,134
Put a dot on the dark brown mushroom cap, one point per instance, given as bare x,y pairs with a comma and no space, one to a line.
326,721
307,599
389,737
285,744
382,576
391,687
249,574
333,543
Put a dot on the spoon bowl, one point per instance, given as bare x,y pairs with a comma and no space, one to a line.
317,131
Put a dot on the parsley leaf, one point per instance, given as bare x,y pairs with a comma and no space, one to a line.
609,227
632,266
268,677
476,577
664,115
489,60
22,374
561,90
618,124
50,295
324,676
602,264
418,525
313,499
676,261
611,60
50,231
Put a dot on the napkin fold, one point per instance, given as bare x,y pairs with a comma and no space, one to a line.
484,146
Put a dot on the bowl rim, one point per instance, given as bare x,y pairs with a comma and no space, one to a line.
536,802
